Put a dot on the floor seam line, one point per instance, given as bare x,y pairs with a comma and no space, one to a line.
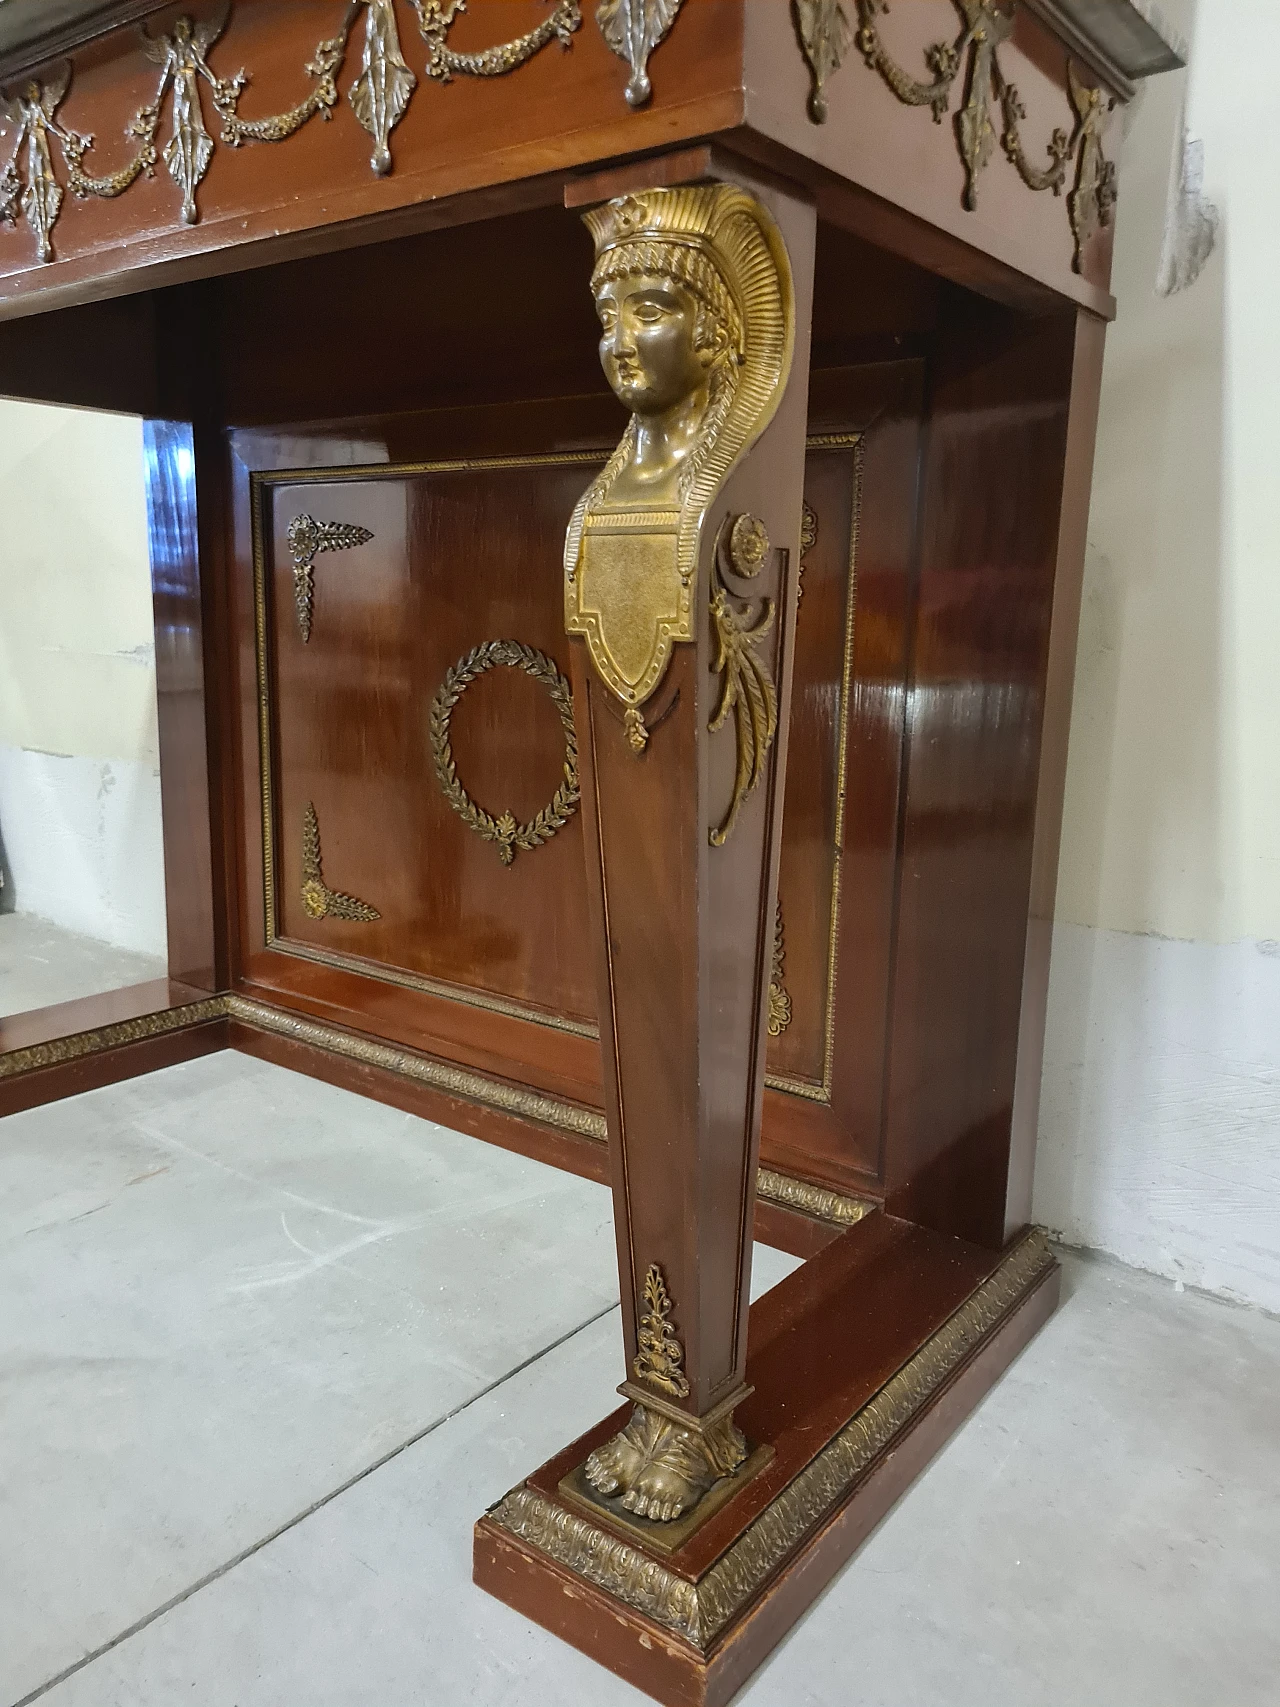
301,1517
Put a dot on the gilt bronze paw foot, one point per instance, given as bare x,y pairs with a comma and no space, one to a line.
660,1468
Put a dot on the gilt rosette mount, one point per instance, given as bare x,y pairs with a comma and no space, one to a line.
693,289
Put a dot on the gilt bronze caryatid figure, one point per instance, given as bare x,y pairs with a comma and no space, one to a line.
694,293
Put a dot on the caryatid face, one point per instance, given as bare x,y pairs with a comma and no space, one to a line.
648,348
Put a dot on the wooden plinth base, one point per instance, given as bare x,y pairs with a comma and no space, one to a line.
864,1362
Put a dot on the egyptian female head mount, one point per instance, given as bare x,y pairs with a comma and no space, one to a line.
693,287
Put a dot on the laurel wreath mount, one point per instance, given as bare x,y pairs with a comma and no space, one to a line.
510,837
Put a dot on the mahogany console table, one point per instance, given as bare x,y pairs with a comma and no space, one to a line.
556,418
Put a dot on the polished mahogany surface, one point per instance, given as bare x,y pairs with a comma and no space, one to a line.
822,1344
992,501
169,448
905,1020
456,560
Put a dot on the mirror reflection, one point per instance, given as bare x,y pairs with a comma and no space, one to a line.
82,899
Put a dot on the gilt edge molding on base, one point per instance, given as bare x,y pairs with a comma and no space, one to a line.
698,1613
819,1203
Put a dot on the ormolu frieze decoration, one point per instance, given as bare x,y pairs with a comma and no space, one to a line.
320,901
825,33
633,28
747,691
38,193
659,1353
278,127
779,1000
183,67
379,98
693,289
307,539
503,829
971,61
699,1611
1091,201
814,1200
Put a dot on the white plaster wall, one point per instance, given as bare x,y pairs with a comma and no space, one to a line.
79,755
1160,1119
1160,1111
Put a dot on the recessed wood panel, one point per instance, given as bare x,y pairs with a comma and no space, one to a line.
458,556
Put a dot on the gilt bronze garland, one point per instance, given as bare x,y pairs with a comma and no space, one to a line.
971,61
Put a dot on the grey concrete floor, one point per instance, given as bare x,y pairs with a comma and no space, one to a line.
41,964
267,1350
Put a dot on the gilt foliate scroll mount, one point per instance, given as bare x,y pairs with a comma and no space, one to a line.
693,290
779,999
747,692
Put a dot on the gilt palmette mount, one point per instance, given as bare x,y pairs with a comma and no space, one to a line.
659,1353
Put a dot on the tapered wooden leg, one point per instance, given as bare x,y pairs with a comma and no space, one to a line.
682,798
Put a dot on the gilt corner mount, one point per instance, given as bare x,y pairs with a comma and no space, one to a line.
379,96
